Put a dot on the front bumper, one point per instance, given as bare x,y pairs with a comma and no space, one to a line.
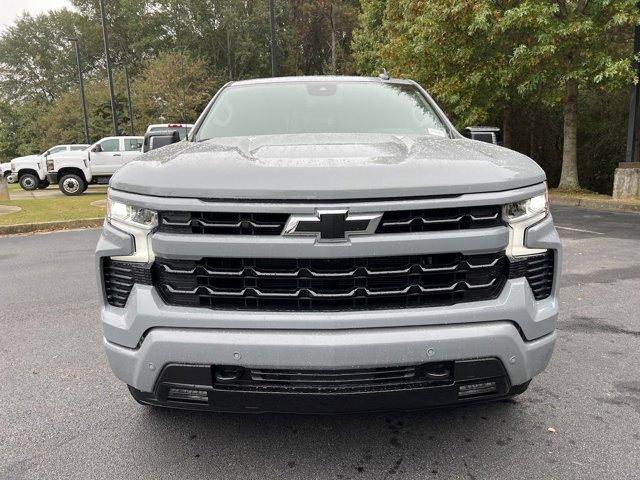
141,368
148,335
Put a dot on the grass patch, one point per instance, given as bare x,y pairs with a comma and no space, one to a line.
54,209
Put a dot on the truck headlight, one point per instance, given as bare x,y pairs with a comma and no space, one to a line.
521,215
525,209
131,215
139,222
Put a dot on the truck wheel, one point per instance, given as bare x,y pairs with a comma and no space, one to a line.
44,184
86,185
71,184
9,178
29,182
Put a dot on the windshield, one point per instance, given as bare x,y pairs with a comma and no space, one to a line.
320,107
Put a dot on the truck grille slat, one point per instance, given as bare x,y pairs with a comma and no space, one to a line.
330,284
397,221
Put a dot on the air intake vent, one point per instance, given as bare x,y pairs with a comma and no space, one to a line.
119,278
331,284
339,381
539,270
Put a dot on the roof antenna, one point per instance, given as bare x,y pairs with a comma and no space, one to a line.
383,74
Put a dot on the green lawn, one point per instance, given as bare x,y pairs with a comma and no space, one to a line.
53,209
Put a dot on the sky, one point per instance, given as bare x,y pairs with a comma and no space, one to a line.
11,9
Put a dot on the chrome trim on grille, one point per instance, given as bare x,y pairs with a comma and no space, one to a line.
442,220
312,293
351,273
219,225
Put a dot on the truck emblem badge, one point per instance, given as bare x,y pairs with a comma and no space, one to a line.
332,225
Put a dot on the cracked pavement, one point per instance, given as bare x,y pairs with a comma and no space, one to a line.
64,415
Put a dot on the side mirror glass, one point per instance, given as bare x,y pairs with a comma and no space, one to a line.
484,134
160,138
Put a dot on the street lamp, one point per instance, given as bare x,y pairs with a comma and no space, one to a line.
83,101
272,37
105,39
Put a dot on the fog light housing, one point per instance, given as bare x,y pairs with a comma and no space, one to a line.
188,395
477,389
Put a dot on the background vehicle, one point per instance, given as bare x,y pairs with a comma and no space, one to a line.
74,171
30,170
182,128
6,172
327,244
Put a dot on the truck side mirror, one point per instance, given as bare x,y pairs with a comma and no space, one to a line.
159,138
97,149
484,134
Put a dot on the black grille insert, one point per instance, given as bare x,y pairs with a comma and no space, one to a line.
119,278
440,219
331,284
221,223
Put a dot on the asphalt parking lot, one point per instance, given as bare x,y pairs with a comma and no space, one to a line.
64,415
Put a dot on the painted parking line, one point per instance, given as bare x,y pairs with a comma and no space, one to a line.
578,230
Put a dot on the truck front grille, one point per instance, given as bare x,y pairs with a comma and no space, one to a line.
397,221
331,284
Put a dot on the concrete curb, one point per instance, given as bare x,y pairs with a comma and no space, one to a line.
50,226
607,205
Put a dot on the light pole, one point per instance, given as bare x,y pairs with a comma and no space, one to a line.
83,101
126,81
272,36
105,39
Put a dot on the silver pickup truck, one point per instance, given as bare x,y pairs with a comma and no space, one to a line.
327,244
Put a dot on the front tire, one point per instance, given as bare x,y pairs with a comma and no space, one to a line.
71,185
29,182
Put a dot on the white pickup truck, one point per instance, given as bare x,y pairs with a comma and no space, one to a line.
6,172
74,171
29,170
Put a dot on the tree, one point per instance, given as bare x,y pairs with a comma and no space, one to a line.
577,44
484,59
174,87
36,60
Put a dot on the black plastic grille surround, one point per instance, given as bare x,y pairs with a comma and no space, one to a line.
397,221
119,278
331,284
539,271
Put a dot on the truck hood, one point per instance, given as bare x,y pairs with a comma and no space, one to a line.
26,160
326,166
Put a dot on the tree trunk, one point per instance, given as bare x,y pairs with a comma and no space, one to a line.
507,121
4,188
569,175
